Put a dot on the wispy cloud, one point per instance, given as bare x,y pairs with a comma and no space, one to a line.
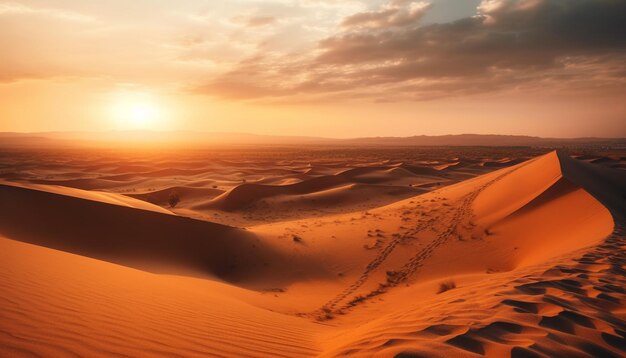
394,14
255,21
14,8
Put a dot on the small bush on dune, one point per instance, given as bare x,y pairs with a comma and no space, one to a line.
446,286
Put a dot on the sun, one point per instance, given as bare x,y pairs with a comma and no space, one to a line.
142,114
136,111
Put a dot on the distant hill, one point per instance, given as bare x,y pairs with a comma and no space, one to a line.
485,140
200,139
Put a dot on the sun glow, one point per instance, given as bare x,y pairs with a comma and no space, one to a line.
136,111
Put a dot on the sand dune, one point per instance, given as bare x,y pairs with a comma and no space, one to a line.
527,261
337,199
571,307
465,224
56,304
186,194
605,184
150,239
95,196
504,278
246,196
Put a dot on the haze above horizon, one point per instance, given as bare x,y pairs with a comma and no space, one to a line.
149,132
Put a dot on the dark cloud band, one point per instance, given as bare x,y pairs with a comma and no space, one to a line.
507,43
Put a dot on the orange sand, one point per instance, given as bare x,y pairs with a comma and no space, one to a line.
532,257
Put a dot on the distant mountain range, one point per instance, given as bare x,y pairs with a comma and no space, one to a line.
485,140
199,139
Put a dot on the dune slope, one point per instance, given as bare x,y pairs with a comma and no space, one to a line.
514,288
132,236
55,304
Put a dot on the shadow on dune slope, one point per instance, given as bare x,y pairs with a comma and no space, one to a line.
138,238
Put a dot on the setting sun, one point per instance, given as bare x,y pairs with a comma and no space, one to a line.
136,111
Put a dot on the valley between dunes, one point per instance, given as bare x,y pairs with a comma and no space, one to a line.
465,257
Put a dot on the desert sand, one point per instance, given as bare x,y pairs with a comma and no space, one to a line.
377,252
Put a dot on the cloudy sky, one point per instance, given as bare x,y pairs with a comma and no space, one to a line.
315,67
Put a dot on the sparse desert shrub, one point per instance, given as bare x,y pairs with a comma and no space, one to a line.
296,238
173,199
446,286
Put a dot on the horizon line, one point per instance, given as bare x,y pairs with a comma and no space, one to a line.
156,131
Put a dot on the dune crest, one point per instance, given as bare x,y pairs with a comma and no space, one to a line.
98,196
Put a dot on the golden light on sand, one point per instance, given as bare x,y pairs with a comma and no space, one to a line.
131,110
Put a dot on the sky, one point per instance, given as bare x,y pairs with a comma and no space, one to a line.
331,68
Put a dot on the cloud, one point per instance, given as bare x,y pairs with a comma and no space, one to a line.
14,8
507,45
254,21
257,21
396,13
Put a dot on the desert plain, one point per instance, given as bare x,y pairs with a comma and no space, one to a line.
286,251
